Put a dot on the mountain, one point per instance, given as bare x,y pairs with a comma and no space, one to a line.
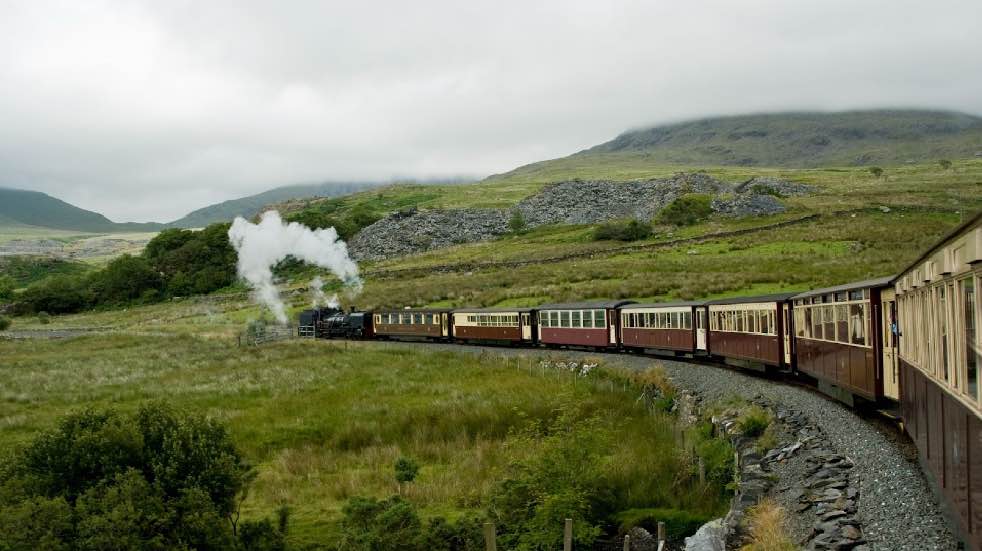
33,208
805,139
251,205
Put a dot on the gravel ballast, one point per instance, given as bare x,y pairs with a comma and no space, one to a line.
897,507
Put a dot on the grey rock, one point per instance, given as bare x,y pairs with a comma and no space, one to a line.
709,537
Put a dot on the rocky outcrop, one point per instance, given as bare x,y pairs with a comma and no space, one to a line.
749,204
571,202
412,231
590,202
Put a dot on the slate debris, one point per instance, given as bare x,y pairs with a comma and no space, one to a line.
570,202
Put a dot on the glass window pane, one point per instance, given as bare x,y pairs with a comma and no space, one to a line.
587,319
842,323
599,319
564,318
828,317
575,318
973,355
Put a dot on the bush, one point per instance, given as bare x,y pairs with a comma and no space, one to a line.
154,479
44,318
876,171
370,524
945,164
687,209
754,421
517,222
4,323
7,286
406,470
632,230
57,294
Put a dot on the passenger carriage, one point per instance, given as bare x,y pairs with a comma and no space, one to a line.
414,323
839,339
752,332
678,327
502,325
940,357
586,324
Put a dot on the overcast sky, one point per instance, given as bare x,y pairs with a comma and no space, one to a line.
147,110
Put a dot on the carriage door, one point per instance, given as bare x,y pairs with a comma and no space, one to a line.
891,375
526,327
700,328
786,334
612,323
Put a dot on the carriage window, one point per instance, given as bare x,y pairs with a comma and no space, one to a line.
765,326
841,323
828,317
856,295
739,321
564,318
973,355
599,318
943,330
817,325
857,324
686,320
575,315
554,319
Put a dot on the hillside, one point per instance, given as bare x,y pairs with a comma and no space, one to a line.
33,208
791,140
251,205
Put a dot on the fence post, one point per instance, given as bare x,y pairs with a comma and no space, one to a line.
489,537
568,535
702,471
661,535
627,543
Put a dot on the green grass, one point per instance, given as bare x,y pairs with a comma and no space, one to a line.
326,421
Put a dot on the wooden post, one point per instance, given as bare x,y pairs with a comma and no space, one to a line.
702,471
627,543
489,537
661,534
568,535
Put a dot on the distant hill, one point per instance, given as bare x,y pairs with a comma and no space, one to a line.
33,208
251,205
805,139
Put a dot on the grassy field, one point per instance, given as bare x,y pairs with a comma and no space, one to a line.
326,421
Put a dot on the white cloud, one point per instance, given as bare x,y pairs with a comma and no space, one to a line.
146,110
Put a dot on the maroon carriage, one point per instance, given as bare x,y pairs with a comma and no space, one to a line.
588,324
668,326
415,323
752,332
502,325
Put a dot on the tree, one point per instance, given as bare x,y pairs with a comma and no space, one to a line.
876,171
56,294
517,222
7,286
945,164
126,279
155,479
406,470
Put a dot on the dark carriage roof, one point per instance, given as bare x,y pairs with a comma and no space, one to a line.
866,283
490,310
585,305
675,304
412,310
776,297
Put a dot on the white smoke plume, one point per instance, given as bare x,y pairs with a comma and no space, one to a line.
317,296
261,246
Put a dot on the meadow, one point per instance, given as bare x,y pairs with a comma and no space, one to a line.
325,422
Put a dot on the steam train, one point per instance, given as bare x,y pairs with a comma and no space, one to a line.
910,341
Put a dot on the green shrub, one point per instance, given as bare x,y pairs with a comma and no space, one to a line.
632,230
876,171
678,524
517,222
154,479
945,164
406,470
716,454
7,286
754,421
4,323
44,318
57,294
687,209
370,524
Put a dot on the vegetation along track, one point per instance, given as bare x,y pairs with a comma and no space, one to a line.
897,507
